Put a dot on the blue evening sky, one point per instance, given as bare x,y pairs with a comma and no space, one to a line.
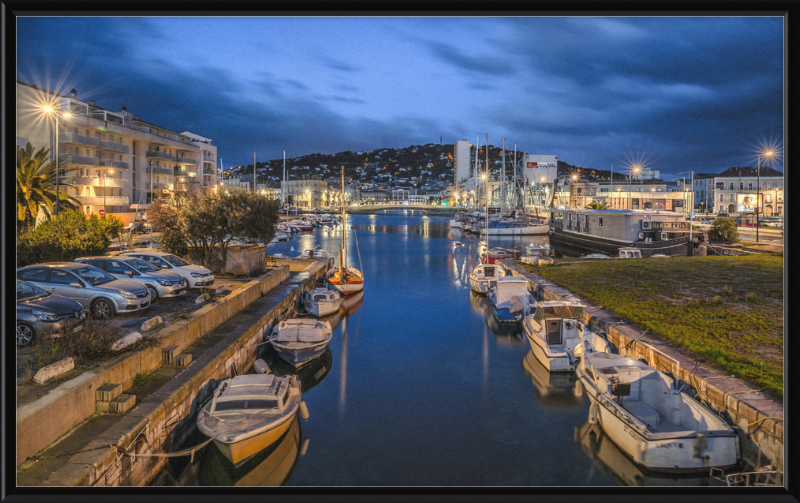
674,93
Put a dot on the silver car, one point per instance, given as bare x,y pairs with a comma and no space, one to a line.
89,286
197,276
43,314
162,284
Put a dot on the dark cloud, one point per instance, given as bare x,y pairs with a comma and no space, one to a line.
487,65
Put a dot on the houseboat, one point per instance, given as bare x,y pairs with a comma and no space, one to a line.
577,232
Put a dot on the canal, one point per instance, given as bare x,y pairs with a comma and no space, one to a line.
421,387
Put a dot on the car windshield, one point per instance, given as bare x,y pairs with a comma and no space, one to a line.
141,265
175,261
27,291
93,275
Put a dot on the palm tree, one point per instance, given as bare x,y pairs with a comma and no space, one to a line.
594,205
36,186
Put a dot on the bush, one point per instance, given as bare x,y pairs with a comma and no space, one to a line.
67,237
725,230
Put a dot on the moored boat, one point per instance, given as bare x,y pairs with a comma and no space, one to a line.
299,341
510,299
248,413
347,280
484,276
321,301
503,228
649,417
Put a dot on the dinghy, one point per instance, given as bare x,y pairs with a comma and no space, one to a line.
300,341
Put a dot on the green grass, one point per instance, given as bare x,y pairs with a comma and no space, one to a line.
727,310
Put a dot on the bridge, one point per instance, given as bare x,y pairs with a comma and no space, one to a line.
397,209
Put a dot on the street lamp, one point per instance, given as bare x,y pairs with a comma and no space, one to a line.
49,110
758,182
691,213
105,188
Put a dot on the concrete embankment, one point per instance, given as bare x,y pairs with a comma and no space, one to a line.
757,417
117,449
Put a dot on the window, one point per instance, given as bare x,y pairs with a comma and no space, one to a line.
732,197
731,186
769,198
33,274
780,183
749,185
600,222
741,185
116,267
769,185
62,277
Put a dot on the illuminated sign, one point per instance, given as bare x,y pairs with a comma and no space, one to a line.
746,203
537,165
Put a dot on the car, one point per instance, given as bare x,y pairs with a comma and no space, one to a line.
162,284
196,275
102,294
41,313
722,214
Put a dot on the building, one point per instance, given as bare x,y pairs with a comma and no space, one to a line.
703,188
462,163
733,186
308,194
375,196
640,195
113,160
540,169
400,196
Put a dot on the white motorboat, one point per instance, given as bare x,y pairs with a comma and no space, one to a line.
322,302
650,418
595,255
484,277
630,253
503,228
316,253
558,336
510,299
248,413
299,341
455,224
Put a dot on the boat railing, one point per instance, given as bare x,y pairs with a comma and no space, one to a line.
753,479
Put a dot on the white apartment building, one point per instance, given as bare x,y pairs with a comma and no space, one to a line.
113,160
743,181
461,161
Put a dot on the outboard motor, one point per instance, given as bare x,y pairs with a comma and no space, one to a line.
261,367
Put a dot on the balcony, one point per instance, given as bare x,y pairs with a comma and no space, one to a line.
159,186
79,160
184,160
154,154
110,163
209,158
99,200
76,138
116,147
94,181
161,171
209,171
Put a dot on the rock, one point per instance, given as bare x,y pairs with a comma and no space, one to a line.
201,299
151,324
54,370
130,338
221,290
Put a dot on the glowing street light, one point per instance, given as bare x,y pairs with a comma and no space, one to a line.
769,153
49,110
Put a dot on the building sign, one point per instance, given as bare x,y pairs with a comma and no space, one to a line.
537,165
746,203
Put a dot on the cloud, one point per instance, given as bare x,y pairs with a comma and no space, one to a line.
487,65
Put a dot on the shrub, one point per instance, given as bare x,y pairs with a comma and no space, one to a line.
727,291
750,297
717,300
724,229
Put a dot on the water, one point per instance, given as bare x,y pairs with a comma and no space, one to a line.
422,387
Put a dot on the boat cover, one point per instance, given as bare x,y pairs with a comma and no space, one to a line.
304,331
509,287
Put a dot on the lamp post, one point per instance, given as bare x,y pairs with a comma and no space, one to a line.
571,191
691,213
758,184
105,188
49,110
630,199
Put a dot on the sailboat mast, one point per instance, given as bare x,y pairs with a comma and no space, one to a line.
503,179
344,233
487,179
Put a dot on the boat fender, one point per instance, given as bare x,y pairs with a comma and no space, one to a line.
578,389
593,413
304,410
304,447
640,452
261,367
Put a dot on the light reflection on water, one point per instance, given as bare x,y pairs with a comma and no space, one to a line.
424,387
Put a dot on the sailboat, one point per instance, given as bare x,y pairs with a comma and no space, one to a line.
347,280
484,276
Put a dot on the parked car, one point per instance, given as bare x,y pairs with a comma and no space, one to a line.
196,275
162,284
722,214
91,287
40,313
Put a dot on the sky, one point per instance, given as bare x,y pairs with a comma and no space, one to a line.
673,93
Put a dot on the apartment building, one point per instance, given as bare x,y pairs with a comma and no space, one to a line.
113,160
736,183
639,195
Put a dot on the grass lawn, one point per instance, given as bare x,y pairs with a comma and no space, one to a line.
727,310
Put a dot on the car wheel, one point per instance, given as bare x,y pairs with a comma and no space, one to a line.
153,293
25,334
102,309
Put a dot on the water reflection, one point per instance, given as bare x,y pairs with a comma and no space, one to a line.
434,230
553,390
310,375
506,334
270,467
614,462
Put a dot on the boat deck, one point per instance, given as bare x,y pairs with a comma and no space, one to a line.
654,421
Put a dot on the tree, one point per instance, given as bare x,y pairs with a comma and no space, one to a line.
594,205
289,200
724,229
36,187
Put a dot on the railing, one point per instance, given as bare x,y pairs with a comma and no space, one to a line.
154,154
161,171
110,145
77,138
110,163
79,160
209,158
184,160
100,200
94,181
209,171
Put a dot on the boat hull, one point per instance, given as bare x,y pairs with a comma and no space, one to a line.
575,244
668,453
481,286
526,230
348,288
301,356
558,364
239,452
320,309
506,316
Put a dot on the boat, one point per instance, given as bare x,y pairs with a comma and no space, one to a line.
631,253
496,254
309,375
347,280
299,341
510,299
315,253
595,255
582,231
647,414
455,223
537,255
504,228
552,390
322,302
484,277
558,336
248,413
